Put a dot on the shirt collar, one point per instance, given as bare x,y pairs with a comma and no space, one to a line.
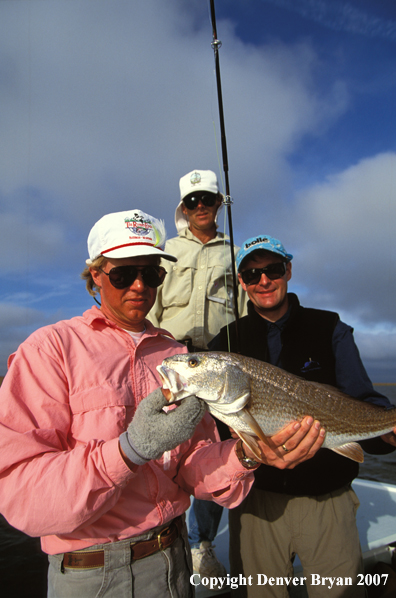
281,323
94,314
188,235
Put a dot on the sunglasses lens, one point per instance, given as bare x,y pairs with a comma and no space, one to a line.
123,276
191,201
209,200
153,276
251,276
273,272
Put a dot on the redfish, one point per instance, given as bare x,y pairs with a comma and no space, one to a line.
257,399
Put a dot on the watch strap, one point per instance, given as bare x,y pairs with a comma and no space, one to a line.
247,462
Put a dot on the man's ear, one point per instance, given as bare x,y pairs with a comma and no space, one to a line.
241,282
96,276
288,271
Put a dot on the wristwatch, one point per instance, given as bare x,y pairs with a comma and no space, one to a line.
246,461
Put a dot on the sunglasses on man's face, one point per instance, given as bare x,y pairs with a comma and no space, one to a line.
191,201
272,271
122,277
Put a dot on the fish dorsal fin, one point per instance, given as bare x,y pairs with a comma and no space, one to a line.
351,450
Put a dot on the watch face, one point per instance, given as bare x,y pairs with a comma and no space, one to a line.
246,461
250,463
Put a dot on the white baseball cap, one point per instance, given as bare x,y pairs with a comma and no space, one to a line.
196,180
127,234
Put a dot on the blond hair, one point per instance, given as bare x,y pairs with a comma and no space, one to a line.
86,275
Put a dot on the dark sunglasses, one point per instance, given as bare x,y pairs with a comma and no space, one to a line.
272,271
122,277
191,201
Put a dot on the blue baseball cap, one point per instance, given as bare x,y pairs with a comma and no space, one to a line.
262,242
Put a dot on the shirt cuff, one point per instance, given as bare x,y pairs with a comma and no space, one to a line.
238,470
116,468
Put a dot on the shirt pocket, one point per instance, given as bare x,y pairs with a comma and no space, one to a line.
220,288
177,289
101,413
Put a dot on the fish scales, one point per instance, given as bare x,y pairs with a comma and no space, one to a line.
255,398
287,397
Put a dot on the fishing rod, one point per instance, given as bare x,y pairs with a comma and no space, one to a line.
216,45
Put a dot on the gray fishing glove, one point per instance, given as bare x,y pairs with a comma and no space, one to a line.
152,431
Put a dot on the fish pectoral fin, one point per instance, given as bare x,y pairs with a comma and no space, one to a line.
249,420
351,450
251,442
250,439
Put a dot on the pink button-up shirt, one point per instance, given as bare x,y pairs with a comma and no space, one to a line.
72,388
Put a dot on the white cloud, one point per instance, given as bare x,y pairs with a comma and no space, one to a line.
345,245
28,238
101,110
106,104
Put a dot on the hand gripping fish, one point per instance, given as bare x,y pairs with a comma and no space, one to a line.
257,399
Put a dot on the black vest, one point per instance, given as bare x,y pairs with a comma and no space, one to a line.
306,352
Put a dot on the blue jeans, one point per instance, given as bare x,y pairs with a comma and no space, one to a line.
203,521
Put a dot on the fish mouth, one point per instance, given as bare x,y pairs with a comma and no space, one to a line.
174,386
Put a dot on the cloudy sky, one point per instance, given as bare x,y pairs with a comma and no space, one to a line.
105,104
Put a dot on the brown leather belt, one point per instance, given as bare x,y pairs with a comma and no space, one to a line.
91,559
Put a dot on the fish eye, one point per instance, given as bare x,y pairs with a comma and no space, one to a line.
193,362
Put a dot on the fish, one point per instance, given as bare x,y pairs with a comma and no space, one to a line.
257,399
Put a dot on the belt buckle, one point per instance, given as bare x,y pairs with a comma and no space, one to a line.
159,536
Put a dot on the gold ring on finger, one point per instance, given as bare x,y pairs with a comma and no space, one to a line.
284,448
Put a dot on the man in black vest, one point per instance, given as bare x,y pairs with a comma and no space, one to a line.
309,510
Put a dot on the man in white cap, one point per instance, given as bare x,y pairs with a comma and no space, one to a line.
196,298
90,460
194,302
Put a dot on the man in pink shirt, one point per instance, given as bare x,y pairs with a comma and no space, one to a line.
90,460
